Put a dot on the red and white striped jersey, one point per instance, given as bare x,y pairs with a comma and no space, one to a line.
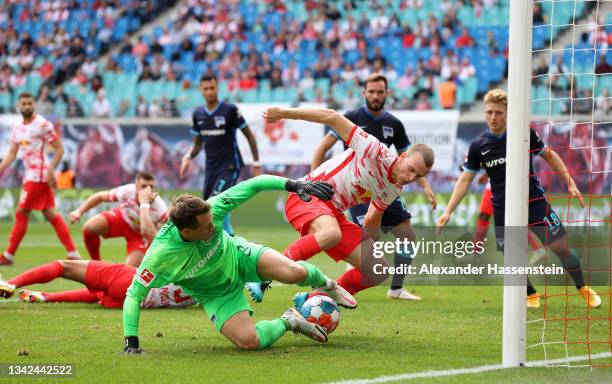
168,296
130,208
360,174
33,139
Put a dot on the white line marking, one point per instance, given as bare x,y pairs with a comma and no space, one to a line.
463,371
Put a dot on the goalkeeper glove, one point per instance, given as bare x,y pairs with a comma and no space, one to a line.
304,189
131,346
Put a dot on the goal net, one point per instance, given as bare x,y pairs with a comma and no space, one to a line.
571,109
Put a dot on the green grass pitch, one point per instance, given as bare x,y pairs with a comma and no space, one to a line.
452,327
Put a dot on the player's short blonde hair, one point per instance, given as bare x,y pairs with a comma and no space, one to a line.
496,96
426,152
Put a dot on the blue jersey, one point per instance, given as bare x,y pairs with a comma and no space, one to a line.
387,128
489,152
218,130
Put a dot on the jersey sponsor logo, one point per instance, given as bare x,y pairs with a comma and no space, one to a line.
496,162
213,132
200,122
485,152
202,262
219,121
146,277
387,131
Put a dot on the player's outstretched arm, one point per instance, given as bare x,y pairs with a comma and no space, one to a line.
131,308
10,156
556,163
91,202
461,188
319,154
339,123
242,192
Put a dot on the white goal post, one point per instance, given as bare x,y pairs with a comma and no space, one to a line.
517,181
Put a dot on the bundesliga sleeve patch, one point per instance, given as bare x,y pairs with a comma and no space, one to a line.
146,277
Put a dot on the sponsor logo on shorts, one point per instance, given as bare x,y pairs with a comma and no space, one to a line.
146,277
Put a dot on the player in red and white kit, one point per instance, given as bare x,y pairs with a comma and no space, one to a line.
366,172
30,139
140,214
106,284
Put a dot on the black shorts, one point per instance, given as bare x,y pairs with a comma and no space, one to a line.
216,183
394,215
543,222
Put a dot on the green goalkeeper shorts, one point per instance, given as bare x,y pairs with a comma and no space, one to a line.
221,308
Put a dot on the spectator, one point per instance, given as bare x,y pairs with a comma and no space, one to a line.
142,109
307,81
466,70
247,82
291,75
407,80
378,56
101,106
46,69
422,103
603,66
492,43
464,40
447,91
74,108
44,102
276,80
538,16
350,102
390,72
66,178
89,67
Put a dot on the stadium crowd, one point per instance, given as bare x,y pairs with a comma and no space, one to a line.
437,55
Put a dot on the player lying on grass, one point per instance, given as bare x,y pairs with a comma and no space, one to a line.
140,214
106,284
366,172
489,151
193,251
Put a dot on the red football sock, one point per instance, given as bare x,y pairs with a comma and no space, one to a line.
39,275
76,296
18,231
354,281
482,226
61,229
303,248
92,243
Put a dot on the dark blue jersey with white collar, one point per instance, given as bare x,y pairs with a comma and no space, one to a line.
489,151
387,128
218,130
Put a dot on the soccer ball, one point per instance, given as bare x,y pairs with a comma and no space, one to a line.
322,310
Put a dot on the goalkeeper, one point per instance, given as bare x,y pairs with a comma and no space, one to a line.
193,251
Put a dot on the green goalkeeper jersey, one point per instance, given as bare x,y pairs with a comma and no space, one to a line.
202,268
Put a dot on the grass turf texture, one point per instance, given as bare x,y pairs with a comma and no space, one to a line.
453,327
